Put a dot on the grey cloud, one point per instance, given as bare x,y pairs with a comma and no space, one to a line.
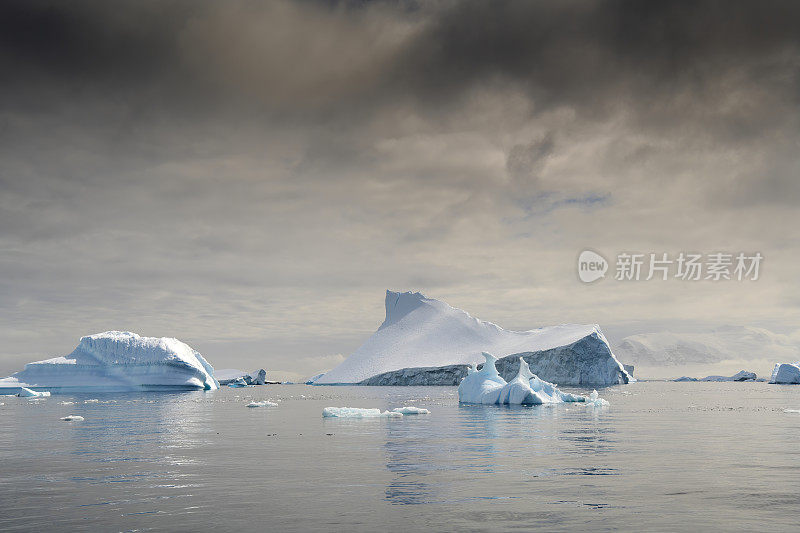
263,171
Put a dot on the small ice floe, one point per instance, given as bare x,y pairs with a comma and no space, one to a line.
67,403
93,400
791,410
595,400
72,418
358,412
28,393
411,410
265,403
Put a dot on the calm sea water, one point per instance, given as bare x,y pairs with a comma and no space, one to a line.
662,457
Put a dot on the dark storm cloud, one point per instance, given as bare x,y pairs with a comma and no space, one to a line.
221,170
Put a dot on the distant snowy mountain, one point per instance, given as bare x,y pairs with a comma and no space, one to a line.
725,343
424,332
118,360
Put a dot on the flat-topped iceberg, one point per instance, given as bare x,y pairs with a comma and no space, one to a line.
786,373
115,361
485,386
425,342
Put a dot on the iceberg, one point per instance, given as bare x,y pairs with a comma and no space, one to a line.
411,410
237,383
742,375
430,342
786,373
357,412
28,393
257,377
114,361
72,418
485,386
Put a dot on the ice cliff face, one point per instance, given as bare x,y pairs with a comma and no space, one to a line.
786,373
117,360
423,337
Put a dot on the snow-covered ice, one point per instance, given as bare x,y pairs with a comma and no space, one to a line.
665,348
595,400
485,386
411,410
116,360
786,373
424,332
358,412
28,393
237,383
265,403
742,375
72,418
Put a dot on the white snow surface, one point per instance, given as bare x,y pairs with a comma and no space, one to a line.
119,360
423,332
485,386
358,412
786,373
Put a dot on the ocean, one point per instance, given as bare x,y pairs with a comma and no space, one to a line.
662,457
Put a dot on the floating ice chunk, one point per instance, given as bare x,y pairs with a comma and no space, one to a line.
67,403
595,400
518,391
72,418
358,412
119,360
785,410
265,403
786,373
411,410
93,400
487,387
237,383
28,393
482,386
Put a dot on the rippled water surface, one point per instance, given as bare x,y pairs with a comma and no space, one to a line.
662,457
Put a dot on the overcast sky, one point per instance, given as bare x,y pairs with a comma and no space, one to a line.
251,176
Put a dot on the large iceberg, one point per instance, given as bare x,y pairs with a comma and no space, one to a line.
115,361
786,373
420,336
485,386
